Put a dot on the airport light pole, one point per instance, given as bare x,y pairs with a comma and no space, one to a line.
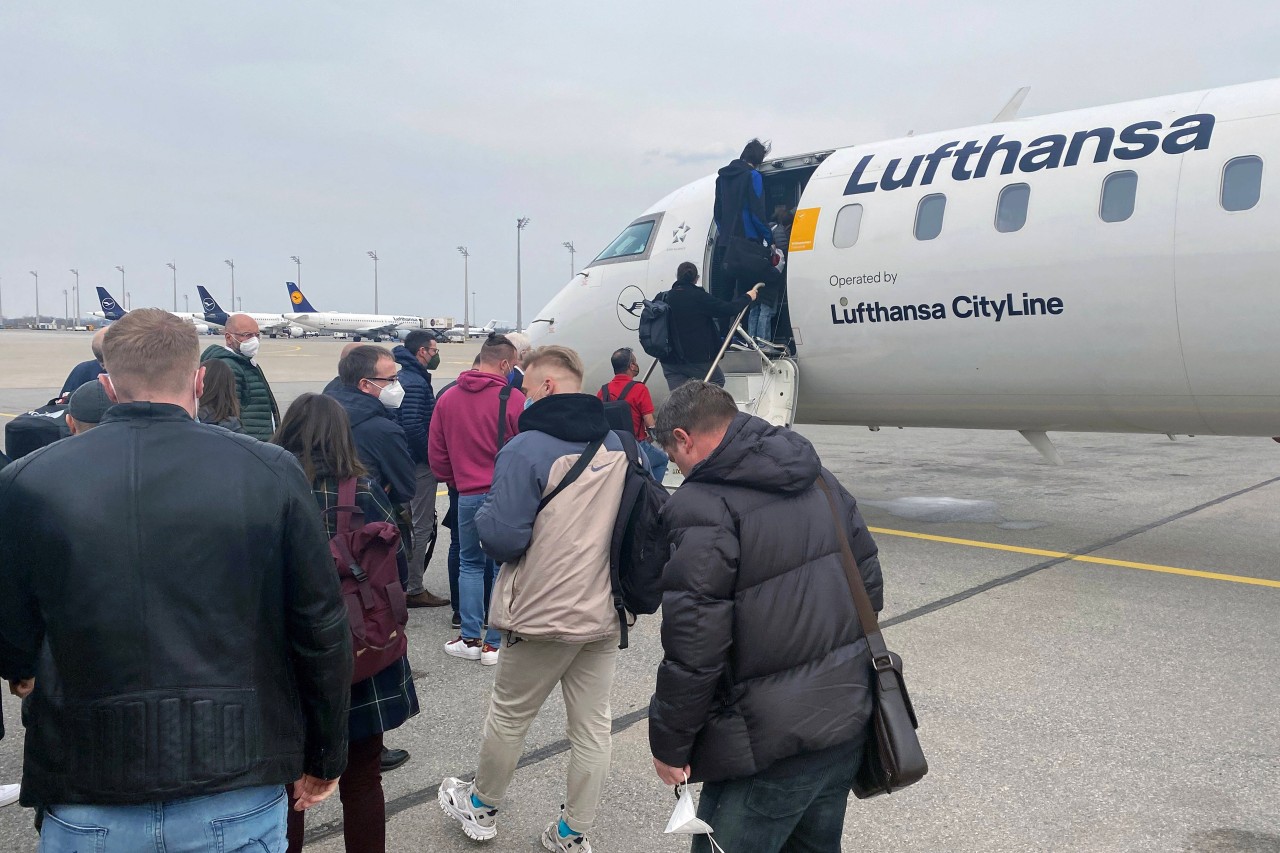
568,244
232,264
298,263
128,301
121,268
520,224
186,302
174,266
466,292
66,305
374,255
76,290
37,277
239,303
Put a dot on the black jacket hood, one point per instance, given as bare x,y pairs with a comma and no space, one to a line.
570,417
360,406
756,455
735,169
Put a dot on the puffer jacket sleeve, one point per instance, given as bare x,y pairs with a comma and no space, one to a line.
698,585
505,522
414,415
865,550
319,636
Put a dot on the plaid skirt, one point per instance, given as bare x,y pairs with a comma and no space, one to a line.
382,702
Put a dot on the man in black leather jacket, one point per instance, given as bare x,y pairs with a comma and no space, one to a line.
186,641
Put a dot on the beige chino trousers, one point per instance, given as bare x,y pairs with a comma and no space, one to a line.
528,671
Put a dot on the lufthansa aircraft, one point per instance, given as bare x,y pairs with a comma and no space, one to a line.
111,310
272,325
373,326
1112,269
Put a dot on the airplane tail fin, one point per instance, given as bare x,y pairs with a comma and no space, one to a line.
111,309
213,312
299,301
491,325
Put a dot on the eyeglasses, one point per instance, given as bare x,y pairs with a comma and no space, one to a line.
395,378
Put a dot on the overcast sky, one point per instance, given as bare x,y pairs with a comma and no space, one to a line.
138,133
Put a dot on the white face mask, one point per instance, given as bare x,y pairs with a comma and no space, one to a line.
249,348
685,821
393,395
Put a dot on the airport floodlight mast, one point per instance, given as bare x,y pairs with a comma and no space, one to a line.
174,266
186,302
239,303
66,306
568,244
298,263
232,264
121,268
128,301
75,288
466,293
37,277
374,255
520,224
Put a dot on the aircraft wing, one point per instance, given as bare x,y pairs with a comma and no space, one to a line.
374,331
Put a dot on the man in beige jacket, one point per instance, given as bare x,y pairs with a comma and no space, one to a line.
553,600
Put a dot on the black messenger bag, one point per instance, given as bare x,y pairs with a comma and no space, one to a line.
892,758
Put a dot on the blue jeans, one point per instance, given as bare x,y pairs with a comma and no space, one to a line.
760,321
249,820
475,571
658,459
780,814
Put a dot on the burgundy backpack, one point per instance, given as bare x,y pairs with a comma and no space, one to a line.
376,608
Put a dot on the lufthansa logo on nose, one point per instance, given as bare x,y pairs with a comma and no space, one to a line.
630,304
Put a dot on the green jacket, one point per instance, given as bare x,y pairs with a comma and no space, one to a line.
259,413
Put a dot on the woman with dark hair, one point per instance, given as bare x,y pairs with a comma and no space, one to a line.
220,404
316,430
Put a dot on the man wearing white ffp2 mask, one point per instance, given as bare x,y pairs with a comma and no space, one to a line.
370,392
259,414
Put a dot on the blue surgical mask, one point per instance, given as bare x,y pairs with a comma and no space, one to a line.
527,402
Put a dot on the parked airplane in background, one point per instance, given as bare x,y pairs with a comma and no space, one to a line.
1109,269
271,325
373,326
111,310
458,334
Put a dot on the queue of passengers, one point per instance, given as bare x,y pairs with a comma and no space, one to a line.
195,664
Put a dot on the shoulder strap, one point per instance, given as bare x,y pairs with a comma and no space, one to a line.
346,504
861,601
626,389
503,396
604,393
588,453
630,445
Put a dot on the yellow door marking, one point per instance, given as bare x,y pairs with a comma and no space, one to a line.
803,229
1081,558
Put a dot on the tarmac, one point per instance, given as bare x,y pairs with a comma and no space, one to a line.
1091,649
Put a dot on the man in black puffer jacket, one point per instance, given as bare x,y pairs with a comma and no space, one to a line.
371,392
764,689
190,647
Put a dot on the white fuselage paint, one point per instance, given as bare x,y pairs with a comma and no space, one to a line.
369,325
1165,322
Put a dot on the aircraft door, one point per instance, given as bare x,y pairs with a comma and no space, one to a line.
1226,256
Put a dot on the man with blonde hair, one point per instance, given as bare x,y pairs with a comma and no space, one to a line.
189,647
549,519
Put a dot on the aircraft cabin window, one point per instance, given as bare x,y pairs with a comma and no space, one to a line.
848,224
1119,195
1241,183
632,241
1011,208
929,216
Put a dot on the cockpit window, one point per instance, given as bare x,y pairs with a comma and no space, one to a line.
631,242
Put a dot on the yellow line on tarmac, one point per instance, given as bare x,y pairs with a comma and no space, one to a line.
1081,558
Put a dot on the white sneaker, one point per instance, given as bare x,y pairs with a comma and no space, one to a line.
488,655
573,844
455,801
9,794
465,649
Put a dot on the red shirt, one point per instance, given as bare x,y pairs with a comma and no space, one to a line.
638,397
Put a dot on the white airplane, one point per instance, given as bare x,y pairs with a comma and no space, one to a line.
373,326
458,334
272,325
111,310
1108,269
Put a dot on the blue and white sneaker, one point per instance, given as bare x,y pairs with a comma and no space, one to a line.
479,823
557,843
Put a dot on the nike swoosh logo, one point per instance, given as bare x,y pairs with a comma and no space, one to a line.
595,468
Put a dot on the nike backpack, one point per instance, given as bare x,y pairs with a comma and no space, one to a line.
367,566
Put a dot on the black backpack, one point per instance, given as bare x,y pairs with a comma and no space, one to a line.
618,412
33,430
657,337
638,549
